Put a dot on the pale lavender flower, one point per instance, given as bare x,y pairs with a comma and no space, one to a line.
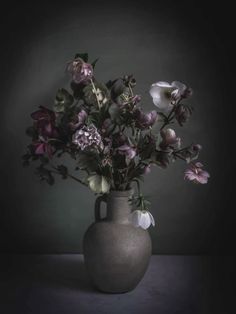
81,118
145,120
80,70
195,174
87,137
127,150
169,138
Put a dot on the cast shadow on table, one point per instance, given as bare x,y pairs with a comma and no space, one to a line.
66,272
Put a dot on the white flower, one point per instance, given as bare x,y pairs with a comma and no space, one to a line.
98,184
164,94
142,218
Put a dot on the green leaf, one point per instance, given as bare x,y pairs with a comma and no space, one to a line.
63,171
88,160
83,56
114,111
94,62
63,100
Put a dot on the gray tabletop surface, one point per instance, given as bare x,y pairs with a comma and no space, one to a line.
48,284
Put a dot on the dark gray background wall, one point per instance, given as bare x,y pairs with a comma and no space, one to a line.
185,42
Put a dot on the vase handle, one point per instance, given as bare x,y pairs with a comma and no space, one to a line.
97,208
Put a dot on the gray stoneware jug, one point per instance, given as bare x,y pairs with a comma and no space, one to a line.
116,253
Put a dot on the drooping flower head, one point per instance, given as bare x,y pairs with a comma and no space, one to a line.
81,71
87,136
196,174
142,218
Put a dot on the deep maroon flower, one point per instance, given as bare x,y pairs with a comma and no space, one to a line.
196,174
45,122
81,118
81,71
182,114
87,137
169,138
127,150
145,120
42,147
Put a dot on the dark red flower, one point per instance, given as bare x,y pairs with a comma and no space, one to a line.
45,120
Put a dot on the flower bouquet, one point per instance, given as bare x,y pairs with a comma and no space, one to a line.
104,129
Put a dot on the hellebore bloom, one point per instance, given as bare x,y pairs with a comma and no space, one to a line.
145,120
45,122
81,71
81,118
169,138
42,147
165,94
87,137
196,174
98,184
142,218
127,150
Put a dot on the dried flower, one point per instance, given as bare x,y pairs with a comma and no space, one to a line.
87,137
195,173
81,71
142,218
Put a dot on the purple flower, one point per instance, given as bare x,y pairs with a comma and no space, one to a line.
81,118
127,150
87,137
44,120
196,174
145,120
80,70
169,138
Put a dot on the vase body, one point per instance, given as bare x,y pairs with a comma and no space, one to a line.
116,253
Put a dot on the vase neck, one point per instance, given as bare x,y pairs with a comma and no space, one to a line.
118,206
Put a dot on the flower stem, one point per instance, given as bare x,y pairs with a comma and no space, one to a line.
95,92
